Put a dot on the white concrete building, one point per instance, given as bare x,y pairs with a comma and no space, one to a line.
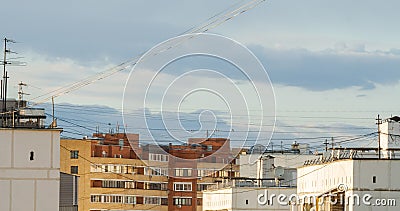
264,178
390,137
352,179
355,179
265,166
246,199
29,169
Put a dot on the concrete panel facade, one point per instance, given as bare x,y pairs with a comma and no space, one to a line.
29,169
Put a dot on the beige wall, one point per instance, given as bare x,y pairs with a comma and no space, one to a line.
26,184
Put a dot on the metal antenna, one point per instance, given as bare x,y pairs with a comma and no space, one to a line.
21,94
5,63
379,122
326,145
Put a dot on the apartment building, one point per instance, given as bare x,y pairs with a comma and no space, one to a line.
354,178
117,173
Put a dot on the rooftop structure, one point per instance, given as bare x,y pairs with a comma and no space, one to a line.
17,115
265,167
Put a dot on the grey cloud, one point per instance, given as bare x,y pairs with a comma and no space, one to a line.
89,30
329,69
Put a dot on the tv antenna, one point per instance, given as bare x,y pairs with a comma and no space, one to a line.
7,62
21,93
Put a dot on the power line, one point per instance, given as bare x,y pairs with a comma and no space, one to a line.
214,22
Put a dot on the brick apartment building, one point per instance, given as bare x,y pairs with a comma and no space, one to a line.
117,173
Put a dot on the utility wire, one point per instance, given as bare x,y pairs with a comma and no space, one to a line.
218,20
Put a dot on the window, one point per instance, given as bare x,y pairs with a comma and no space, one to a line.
95,198
155,171
183,201
201,187
32,155
129,184
74,169
155,186
205,172
158,157
209,148
74,154
117,199
164,201
181,172
374,179
182,186
95,168
247,201
130,200
114,184
115,169
152,200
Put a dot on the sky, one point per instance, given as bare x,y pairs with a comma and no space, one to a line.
333,65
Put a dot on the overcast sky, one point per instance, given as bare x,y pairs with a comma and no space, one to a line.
324,58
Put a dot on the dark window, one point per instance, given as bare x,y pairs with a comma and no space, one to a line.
374,179
74,154
155,186
247,201
164,201
213,159
31,155
74,169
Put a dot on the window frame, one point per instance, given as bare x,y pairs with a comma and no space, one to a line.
74,154
73,169
183,186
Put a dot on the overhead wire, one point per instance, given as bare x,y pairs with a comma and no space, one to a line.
218,20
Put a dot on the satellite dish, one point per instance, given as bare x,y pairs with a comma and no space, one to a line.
279,171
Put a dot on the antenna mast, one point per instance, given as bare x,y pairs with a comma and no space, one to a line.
5,116
21,94
4,83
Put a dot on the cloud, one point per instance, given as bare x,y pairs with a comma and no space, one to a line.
330,69
92,30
